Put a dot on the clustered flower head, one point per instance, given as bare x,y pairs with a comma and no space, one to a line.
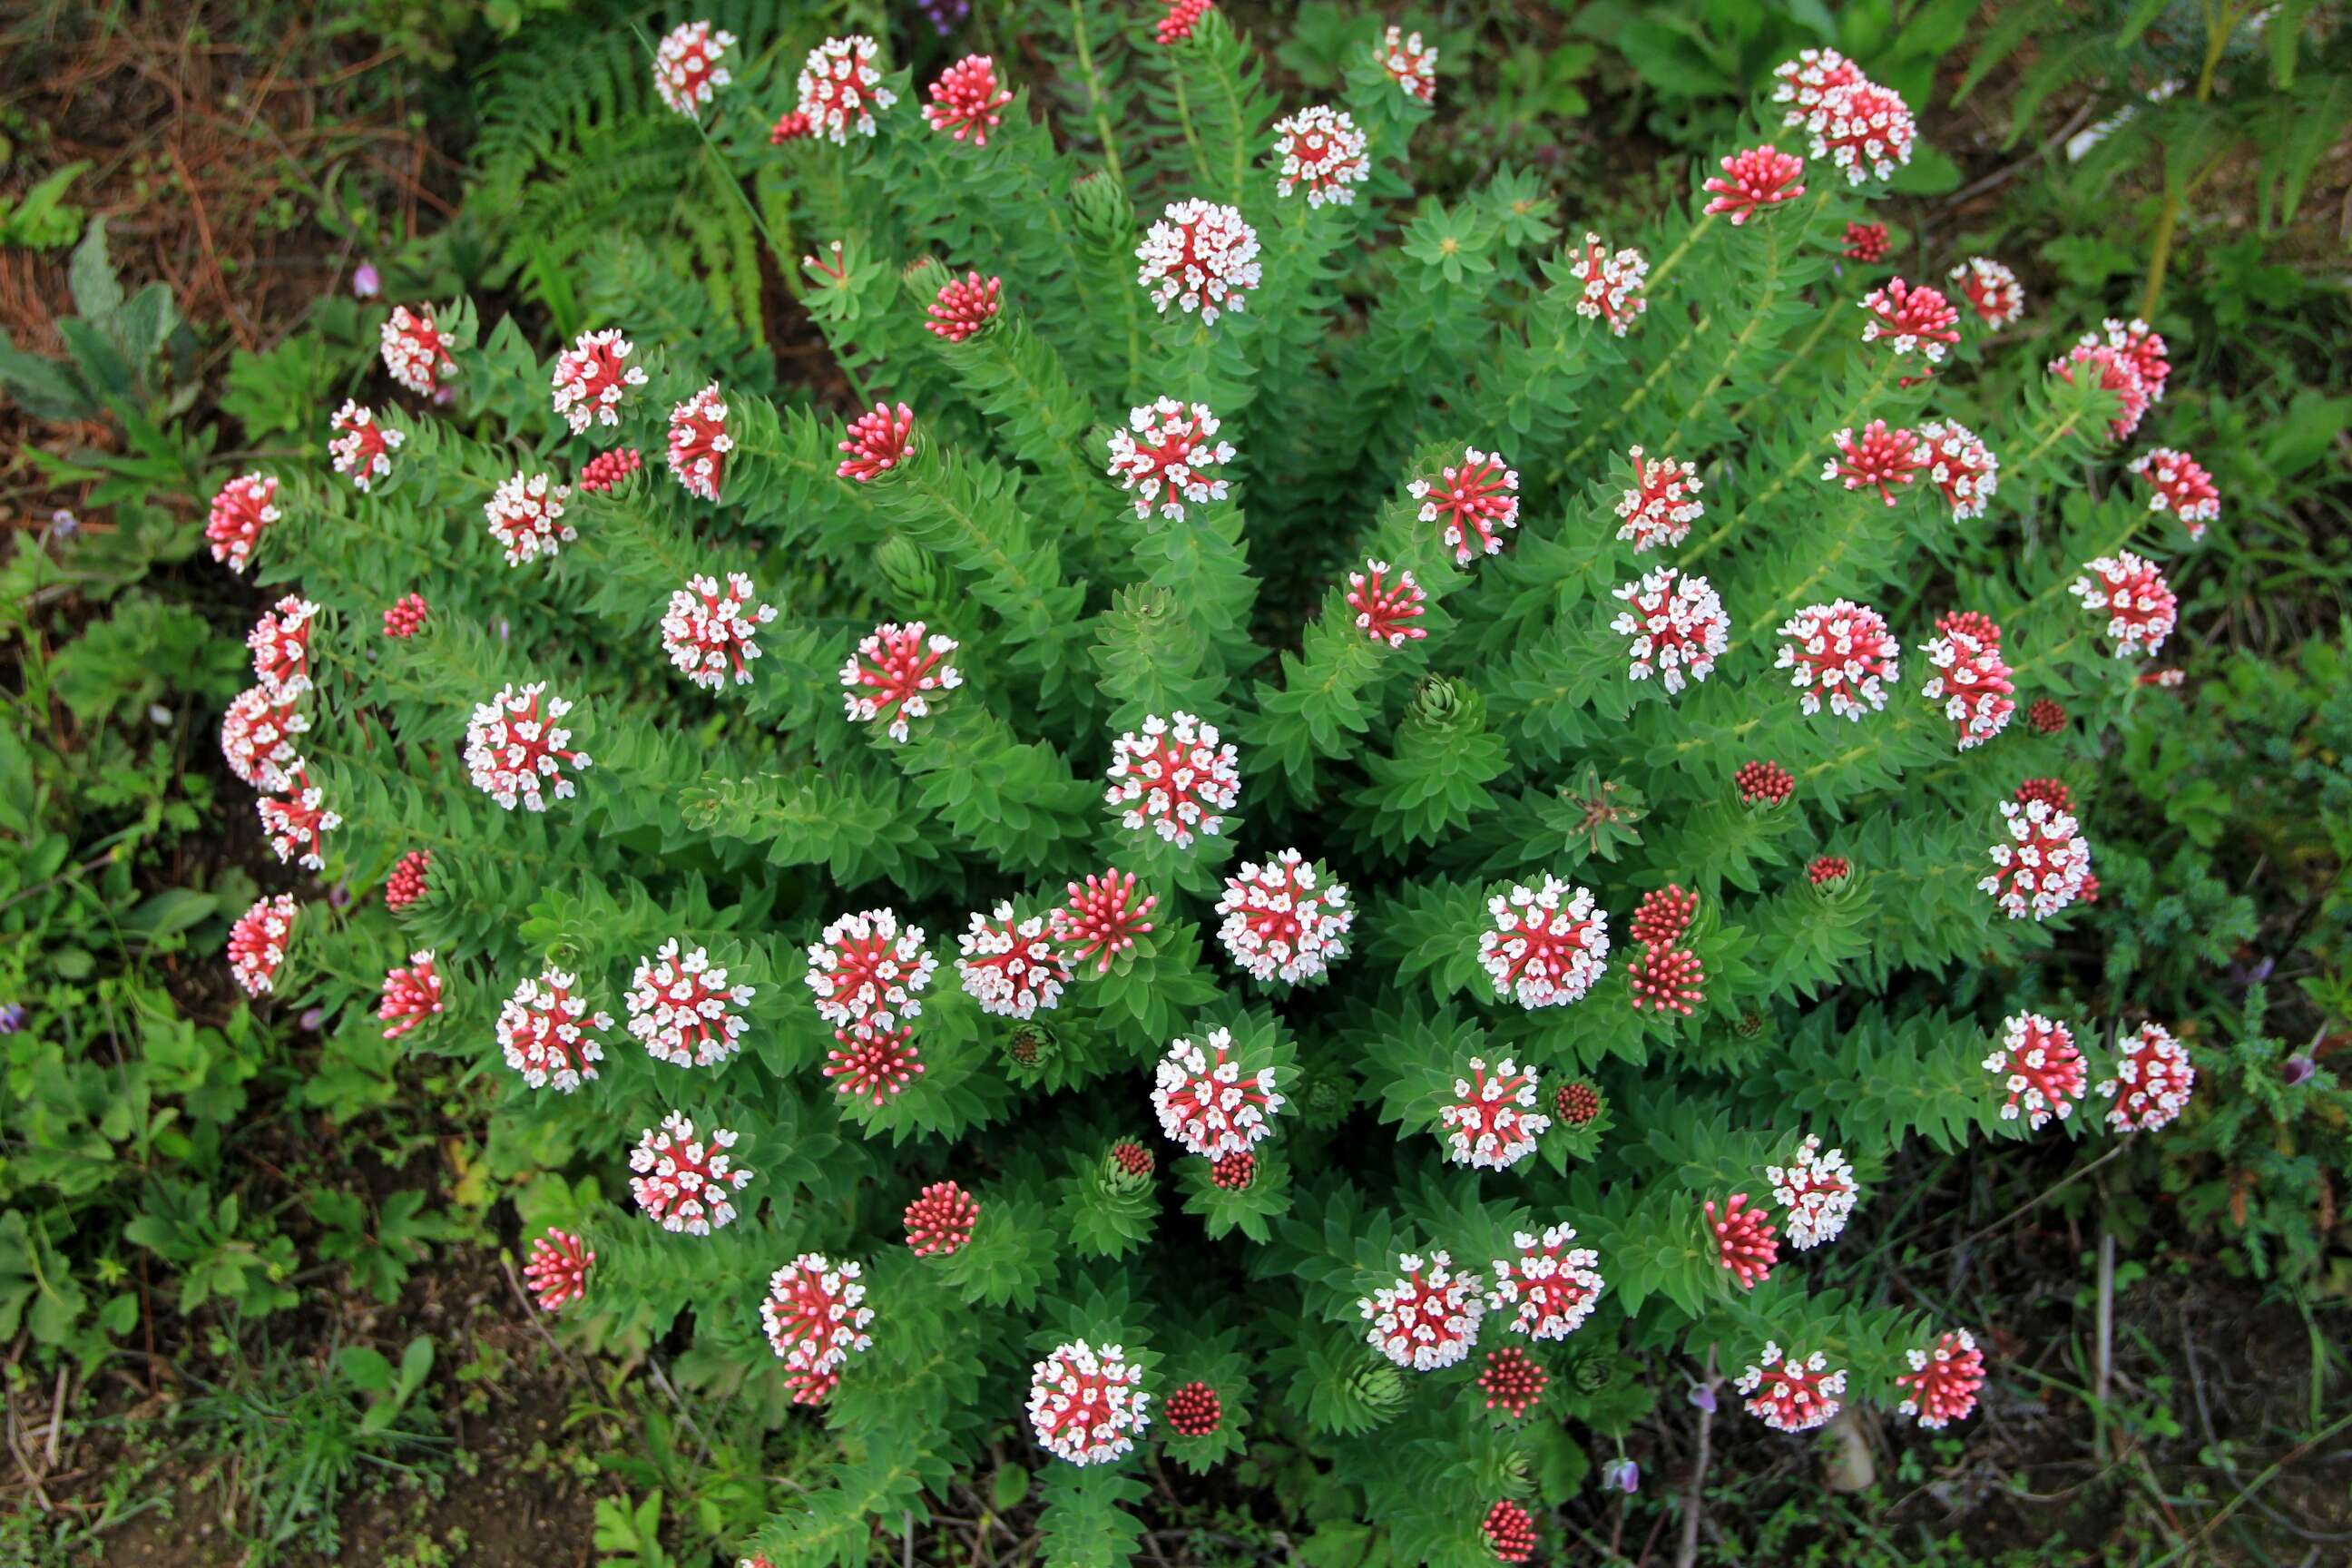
685,1182
1817,1189
940,1220
1941,1386
558,1270
1233,1172
1860,126
1841,655
1576,1104
412,993
1194,1411
362,446
687,71
816,1317
2153,1078
2179,483
877,441
1207,1103
1130,1160
257,943
1613,284
1086,1404
1879,459
2045,716
711,632
1488,1120
1409,63
2043,865
2132,593
543,1032
872,1063
592,377
280,643
415,350
2038,1064
517,750
1548,945
1663,503
1829,870
405,617
869,973
840,88
1322,153
1746,1245
2053,791
1663,917
241,511
1666,978
297,821
1163,453
1174,777
1284,918
605,472
1764,783
1010,966
1911,320
1385,608
790,126
1677,624
1429,1317
407,883
966,99
1199,257
526,517
1753,180
2114,370
1961,465
894,674
258,737
698,443
1792,1395
1969,676
964,306
2137,345
1102,919
1177,26
1549,1287
1474,498
1510,1530
1511,1381
682,1009
1866,242
1991,288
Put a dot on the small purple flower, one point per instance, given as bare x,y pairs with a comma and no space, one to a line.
367,282
1622,1475
2254,974
312,1017
338,896
2297,1070
1701,1394
63,524
11,1018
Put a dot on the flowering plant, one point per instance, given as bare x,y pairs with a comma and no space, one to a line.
1153,704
